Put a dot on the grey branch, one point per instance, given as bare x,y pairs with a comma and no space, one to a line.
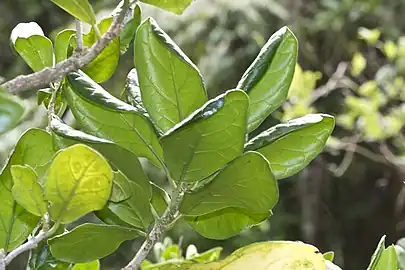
49,75
171,214
30,244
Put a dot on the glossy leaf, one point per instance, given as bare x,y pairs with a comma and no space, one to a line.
80,9
44,96
160,199
89,242
25,30
62,42
10,113
108,217
245,183
377,254
171,85
225,223
79,181
41,258
208,139
330,255
384,258
268,78
292,146
34,149
136,209
102,115
94,265
388,259
120,158
132,93
127,34
31,44
274,255
101,68
175,6
27,191
277,255
121,189
207,256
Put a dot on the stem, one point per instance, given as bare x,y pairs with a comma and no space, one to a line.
79,36
160,226
51,106
30,244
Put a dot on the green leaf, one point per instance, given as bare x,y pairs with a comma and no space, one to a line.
208,139
268,78
207,256
358,64
245,183
121,189
160,199
136,209
377,254
274,255
171,85
371,36
10,113
44,96
41,259
89,242
225,223
175,6
27,191
120,158
132,93
108,217
388,260
62,42
281,255
105,116
31,44
34,149
101,68
94,265
80,9
329,256
79,181
290,147
127,34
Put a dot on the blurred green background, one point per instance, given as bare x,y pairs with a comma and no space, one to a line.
352,65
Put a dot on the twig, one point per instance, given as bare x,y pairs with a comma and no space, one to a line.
332,83
51,106
391,157
160,226
347,160
361,151
79,36
48,75
31,243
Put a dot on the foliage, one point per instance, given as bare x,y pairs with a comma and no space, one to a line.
202,145
199,143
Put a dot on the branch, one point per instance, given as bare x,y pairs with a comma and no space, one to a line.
332,84
171,214
49,75
30,244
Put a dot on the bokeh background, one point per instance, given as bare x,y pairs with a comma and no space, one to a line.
351,65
